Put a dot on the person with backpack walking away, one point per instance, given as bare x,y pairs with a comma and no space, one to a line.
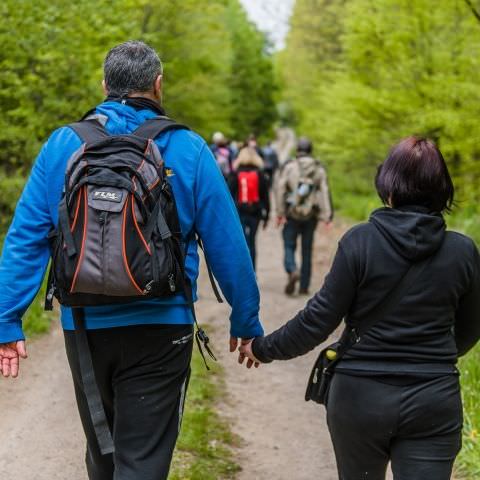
120,200
303,198
223,153
249,188
409,291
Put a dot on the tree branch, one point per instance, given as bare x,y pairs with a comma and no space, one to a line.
475,12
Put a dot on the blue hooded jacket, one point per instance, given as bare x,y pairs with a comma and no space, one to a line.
204,205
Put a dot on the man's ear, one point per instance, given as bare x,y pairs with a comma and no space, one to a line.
105,88
157,87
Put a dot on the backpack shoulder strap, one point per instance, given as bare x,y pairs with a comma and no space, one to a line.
91,129
154,127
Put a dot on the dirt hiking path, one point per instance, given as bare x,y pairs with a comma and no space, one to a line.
283,437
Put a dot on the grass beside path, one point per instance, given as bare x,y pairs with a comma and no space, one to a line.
468,462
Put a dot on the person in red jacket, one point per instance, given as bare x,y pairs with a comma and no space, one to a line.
249,187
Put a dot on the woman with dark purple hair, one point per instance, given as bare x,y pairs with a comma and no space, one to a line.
395,393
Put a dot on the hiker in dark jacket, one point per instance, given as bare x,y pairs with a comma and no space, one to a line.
395,395
249,188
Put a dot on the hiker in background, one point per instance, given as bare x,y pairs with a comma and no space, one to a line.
302,199
253,143
222,153
234,148
140,351
270,161
249,188
409,291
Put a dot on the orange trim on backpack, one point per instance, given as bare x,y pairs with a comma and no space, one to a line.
124,250
148,146
82,249
144,153
77,209
142,238
157,181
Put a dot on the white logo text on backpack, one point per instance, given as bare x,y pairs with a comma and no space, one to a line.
108,196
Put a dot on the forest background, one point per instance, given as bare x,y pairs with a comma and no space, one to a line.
355,76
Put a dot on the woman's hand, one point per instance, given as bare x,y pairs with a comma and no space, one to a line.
245,350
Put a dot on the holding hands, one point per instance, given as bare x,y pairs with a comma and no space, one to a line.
245,351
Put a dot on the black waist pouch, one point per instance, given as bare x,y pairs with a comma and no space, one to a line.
321,375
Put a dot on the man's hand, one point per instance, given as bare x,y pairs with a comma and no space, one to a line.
10,354
246,352
281,221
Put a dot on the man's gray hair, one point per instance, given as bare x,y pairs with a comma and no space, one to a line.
131,67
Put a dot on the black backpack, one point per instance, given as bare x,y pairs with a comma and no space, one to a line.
119,235
118,238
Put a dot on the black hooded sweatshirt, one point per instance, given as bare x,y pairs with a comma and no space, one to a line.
437,320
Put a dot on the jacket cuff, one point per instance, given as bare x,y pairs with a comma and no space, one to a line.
11,332
247,332
258,351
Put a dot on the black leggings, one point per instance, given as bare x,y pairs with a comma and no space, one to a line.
416,426
142,374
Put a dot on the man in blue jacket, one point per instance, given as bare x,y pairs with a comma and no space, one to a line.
141,351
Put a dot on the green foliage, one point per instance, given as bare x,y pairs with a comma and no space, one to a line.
37,321
468,462
52,53
360,75
10,188
194,44
252,78
51,60
203,451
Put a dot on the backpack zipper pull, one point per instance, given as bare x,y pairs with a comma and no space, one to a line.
148,288
49,298
171,283
51,293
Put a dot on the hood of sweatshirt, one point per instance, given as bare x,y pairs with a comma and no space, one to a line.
413,232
